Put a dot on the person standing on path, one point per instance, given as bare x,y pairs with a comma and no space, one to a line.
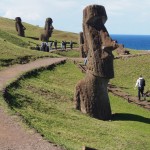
50,45
55,44
71,44
62,45
140,83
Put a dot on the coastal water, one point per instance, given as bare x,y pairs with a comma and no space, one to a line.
138,42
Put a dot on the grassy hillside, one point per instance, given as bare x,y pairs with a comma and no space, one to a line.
31,31
46,104
128,70
15,49
11,54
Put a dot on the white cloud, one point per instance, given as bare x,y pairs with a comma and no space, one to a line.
36,11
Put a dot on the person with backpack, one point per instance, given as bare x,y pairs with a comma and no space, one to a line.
140,83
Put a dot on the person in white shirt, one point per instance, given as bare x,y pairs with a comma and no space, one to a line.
140,83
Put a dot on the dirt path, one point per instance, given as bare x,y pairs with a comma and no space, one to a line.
13,136
10,73
131,99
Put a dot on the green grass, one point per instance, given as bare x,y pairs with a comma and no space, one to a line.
11,54
70,53
45,100
128,70
14,39
132,51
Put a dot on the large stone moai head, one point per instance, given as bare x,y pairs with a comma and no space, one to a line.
48,26
19,27
81,42
98,42
48,29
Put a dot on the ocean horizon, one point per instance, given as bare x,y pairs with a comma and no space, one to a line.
137,42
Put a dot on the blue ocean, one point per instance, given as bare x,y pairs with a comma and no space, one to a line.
137,42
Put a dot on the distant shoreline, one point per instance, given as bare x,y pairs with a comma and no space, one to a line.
137,42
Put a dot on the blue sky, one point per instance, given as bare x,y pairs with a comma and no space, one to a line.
124,16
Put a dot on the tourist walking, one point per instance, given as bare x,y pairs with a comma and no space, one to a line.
62,45
85,61
140,83
71,44
50,45
55,44
65,45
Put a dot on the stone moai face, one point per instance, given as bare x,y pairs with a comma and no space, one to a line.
98,42
19,27
18,19
95,16
48,26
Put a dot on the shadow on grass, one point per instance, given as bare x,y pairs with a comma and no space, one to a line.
114,86
130,117
34,38
123,87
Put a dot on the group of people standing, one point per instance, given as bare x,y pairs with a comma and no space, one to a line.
64,45
48,46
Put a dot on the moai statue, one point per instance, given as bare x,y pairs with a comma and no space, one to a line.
19,27
48,29
91,95
83,52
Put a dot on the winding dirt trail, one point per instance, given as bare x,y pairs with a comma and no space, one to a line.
13,136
